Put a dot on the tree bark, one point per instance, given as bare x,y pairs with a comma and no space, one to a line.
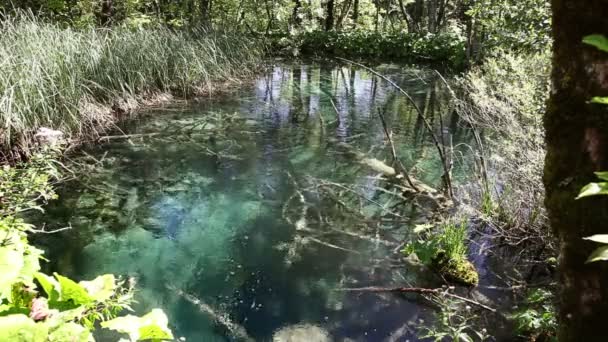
329,16
355,13
577,145
107,9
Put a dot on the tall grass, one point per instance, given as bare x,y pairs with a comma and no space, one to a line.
56,77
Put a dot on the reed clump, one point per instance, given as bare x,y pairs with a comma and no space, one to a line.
68,79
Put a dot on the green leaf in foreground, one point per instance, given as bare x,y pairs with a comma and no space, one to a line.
100,288
602,175
601,238
152,326
597,40
600,100
600,254
593,189
20,328
70,332
70,290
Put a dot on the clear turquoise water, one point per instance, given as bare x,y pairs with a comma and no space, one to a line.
174,217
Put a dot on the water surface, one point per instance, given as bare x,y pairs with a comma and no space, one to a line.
205,212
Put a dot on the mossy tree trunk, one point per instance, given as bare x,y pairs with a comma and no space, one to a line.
577,145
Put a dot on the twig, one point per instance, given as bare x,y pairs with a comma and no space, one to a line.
327,244
418,290
335,109
42,231
126,136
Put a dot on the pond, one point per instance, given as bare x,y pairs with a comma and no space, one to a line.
221,221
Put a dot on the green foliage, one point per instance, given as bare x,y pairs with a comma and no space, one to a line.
61,309
597,40
454,323
595,189
152,326
537,318
447,48
522,25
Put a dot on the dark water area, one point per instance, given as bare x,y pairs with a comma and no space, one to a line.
206,213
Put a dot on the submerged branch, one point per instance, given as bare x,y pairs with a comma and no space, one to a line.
427,125
418,290
236,330
396,161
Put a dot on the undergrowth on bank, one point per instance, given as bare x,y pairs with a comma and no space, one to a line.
68,79
504,101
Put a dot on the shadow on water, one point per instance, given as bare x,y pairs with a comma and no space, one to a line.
171,214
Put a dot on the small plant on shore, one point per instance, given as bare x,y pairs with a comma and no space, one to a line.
445,250
454,322
537,319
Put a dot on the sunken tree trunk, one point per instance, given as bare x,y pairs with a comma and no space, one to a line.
577,146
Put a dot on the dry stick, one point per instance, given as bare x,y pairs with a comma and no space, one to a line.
417,290
424,120
453,95
396,161
335,108
482,160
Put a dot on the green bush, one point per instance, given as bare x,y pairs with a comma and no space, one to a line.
35,307
443,48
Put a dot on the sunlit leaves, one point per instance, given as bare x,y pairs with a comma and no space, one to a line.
593,189
600,254
600,100
18,261
20,328
597,40
100,288
70,290
152,326
601,238
70,332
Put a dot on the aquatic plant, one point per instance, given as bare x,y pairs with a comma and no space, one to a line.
445,250
76,81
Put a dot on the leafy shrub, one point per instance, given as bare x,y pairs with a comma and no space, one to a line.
37,307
